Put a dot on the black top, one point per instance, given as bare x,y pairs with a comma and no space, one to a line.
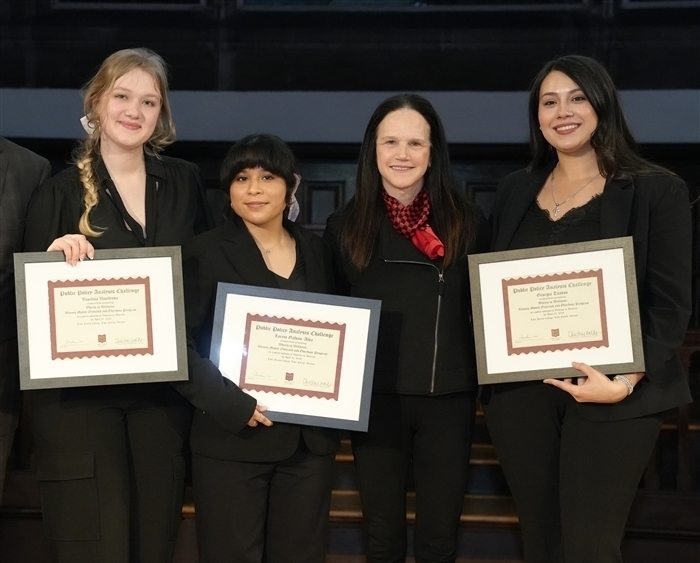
655,211
297,279
577,225
175,211
176,208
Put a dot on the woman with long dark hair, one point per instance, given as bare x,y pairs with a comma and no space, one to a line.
111,459
404,238
574,451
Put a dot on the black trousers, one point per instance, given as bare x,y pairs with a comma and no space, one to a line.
112,472
9,402
275,512
434,435
573,480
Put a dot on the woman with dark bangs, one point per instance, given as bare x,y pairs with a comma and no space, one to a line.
262,491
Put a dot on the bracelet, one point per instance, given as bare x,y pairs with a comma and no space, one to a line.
626,381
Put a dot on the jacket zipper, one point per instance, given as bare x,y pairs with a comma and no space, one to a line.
441,292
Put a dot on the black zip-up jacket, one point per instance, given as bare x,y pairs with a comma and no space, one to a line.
425,344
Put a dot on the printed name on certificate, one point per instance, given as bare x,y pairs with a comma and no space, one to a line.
100,317
292,356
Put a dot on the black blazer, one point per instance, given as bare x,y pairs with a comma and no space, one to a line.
655,211
219,430
21,171
176,210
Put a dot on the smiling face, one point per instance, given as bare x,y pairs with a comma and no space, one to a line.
129,112
258,197
567,119
403,153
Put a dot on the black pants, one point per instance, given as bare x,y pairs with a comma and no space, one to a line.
112,472
573,480
275,512
434,434
9,402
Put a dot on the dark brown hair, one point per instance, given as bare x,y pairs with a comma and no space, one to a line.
452,218
612,140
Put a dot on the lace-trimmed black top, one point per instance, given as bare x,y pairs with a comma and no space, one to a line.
576,225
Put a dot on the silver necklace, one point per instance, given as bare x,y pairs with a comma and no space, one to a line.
268,250
555,211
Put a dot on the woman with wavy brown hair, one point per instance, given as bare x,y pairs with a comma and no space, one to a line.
111,458
573,451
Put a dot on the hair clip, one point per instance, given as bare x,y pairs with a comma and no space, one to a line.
294,208
89,128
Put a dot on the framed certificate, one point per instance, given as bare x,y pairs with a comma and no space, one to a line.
537,310
118,318
308,357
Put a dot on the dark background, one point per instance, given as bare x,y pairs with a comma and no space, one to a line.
357,45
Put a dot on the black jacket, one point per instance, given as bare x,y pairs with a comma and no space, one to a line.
219,430
176,210
655,211
425,344
21,171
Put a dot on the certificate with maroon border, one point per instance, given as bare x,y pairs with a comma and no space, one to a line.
116,319
308,357
537,310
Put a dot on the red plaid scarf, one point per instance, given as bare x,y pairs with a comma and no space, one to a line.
412,222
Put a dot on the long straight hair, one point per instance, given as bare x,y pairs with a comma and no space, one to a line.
613,143
452,218
88,151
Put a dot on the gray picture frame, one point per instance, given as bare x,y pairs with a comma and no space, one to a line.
360,423
482,322
177,353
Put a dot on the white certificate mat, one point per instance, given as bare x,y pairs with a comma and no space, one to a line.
537,310
118,318
308,357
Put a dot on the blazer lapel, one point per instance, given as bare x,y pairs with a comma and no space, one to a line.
244,256
313,259
616,208
518,205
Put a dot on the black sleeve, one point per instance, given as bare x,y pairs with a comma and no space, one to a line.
332,236
203,219
482,241
50,215
665,300
207,389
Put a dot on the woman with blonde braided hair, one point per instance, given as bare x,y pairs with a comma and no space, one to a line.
111,459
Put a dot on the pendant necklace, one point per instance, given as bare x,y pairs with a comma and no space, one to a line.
268,250
555,211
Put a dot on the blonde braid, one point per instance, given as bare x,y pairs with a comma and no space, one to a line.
86,172
87,153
